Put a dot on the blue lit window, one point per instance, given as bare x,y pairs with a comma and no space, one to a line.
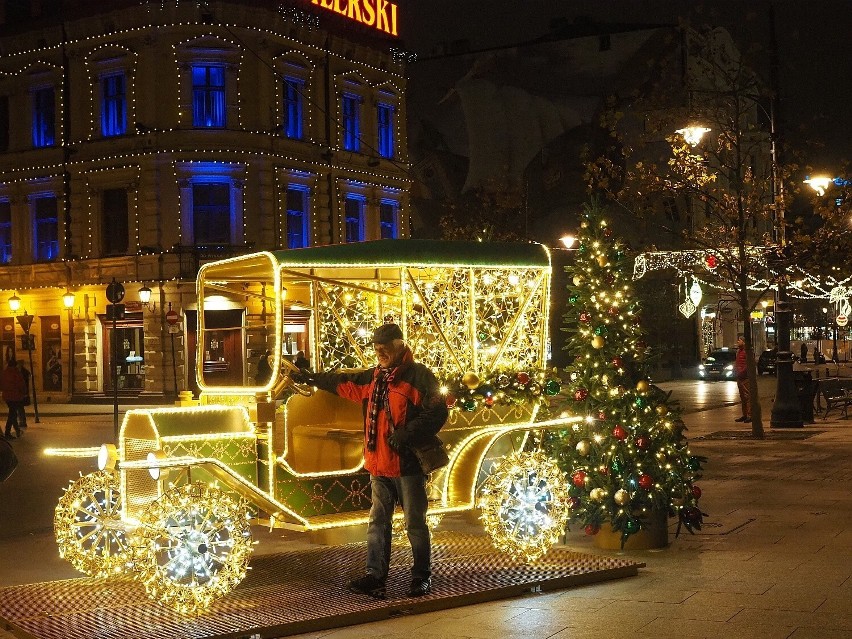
354,212
387,219
293,91
351,108
211,213
297,217
46,229
44,118
385,118
113,105
5,232
208,96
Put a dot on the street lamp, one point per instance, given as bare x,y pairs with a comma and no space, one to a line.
14,303
68,303
568,241
26,321
693,133
819,183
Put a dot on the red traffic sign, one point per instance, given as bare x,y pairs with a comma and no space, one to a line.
172,317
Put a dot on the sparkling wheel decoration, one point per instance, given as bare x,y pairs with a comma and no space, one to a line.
88,528
525,505
194,545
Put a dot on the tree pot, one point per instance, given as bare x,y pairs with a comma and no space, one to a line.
654,535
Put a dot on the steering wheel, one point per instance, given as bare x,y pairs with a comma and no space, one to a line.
287,370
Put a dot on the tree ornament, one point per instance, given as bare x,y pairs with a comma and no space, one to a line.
574,502
601,414
596,494
598,342
523,378
696,492
603,260
585,317
646,482
580,394
662,410
642,442
616,466
552,387
573,299
578,280
489,401
607,232
621,497
641,402
711,262
578,478
631,526
450,400
642,386
591,529
612,310
583,448
619,433
617,362
471,380
601,330
502,381
469,404
582,248
535,389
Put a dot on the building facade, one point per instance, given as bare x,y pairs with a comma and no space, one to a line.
138,143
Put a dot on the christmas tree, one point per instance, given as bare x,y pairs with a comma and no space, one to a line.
629,459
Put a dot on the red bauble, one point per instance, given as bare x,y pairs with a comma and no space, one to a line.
712,262
585,317
607,232
601,414
489,400
580,394
579,478
523,378
646,481
612,310
619,433
643,442
574,502
591,529
696,492
617,362
450,400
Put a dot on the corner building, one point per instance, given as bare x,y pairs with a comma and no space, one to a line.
138,143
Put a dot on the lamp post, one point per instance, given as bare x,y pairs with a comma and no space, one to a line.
115,311
68,303
26,321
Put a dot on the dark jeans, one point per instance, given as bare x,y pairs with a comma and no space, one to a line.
17,417
410,491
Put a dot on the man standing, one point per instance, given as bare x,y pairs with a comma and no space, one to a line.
403,408
741,371
14,391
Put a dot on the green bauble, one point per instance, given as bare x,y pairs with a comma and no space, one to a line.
469,404
641,402
601,330
552,387
616,466
581,248
631,527
573,299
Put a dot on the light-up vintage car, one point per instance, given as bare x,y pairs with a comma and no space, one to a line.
173,500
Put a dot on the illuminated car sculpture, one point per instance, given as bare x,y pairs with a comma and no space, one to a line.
173,500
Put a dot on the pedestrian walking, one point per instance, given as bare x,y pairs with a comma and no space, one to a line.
22,415
14,392
403,410
741,371
803,352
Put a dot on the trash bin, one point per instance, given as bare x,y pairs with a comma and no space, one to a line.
806,390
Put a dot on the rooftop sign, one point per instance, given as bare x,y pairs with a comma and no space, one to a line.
379,14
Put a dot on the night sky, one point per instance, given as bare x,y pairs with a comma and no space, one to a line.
815,48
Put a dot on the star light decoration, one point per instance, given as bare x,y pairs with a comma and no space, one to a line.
87,525
525,505
193,546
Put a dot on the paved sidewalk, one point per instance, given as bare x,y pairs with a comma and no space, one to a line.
773,559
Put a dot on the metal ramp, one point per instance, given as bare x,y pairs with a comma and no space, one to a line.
296,592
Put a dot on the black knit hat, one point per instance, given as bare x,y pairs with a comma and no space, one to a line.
387,333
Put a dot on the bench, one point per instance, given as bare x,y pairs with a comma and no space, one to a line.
837,394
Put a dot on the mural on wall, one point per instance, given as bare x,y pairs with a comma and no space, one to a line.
51,353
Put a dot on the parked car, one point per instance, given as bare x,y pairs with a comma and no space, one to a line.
766,361
718,365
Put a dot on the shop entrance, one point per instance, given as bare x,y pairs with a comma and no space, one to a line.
130,363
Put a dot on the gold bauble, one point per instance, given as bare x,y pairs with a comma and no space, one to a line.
471,380
596,494
598,341
621,496
603,260
578,279
583,448
642,386
662,410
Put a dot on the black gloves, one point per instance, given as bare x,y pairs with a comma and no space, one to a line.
304,376
399,438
